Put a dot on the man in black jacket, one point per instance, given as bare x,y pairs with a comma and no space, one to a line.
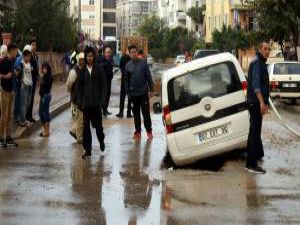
258,101
93,89
139,85
123,62
108,66
35,76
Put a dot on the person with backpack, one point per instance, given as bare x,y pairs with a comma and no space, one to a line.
45,94
26,85
73,87
7,97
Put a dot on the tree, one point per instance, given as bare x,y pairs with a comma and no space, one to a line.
196,14
278,19
49,21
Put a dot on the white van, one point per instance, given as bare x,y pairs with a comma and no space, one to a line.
285,80
204,108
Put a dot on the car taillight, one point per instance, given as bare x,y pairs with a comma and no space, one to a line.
244,87
274,84
167,119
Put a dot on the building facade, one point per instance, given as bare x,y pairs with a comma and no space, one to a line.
97,17
131,13
232,13
174,12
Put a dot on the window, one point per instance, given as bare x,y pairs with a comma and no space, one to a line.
109,4
287,69
92,2
213,81
92,16
109,31
109,17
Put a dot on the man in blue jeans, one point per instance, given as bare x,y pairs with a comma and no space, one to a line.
258,101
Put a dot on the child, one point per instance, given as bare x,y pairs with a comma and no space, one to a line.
45,94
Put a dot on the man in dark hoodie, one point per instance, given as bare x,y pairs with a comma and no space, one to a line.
139,86
93,94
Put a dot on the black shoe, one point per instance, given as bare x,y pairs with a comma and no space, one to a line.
73,135
120,115
86,154
31,120
129,116
11,143
107,113
255,169
102,146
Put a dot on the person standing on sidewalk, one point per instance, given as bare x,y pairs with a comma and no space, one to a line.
73,87
108,66
35,77
123,62
258,101
26,85
139,86
93,95
7,96
45,94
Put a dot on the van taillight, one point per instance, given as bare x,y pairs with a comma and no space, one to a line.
244,87
167,119
274,84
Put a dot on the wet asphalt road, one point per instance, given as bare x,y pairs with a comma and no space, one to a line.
45,181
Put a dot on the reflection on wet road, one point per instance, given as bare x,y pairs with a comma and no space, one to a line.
45,181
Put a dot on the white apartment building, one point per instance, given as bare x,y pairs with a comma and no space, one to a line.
98,17
131,13
174,12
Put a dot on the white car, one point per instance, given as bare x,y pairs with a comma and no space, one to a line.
180,59
204,108
285,80
150,60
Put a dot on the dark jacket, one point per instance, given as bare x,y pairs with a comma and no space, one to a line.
108,66
258,80
46,84
138,80
92,87
35,66
123,62
7,66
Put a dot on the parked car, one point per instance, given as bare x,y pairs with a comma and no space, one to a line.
285,80
205,52
204,108
180,59
150,60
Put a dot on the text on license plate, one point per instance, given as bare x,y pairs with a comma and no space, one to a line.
289,85
214,132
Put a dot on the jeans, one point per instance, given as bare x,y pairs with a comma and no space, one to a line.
92,115
7,105
44,109
108,93
255,149
141,103
26,92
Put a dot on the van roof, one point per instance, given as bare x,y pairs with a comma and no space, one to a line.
197,64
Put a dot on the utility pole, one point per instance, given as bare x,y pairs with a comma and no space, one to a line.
79,16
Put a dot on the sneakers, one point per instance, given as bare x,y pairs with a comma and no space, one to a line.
119,115
255,169
11,143
150,135
24,124
137,135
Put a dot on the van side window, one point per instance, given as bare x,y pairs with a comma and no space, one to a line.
213,81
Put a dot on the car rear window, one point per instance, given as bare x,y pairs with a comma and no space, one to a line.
204,53
213,81
286,69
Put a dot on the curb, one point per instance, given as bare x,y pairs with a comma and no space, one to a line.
55,110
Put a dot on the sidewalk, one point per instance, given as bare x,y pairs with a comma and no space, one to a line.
60,100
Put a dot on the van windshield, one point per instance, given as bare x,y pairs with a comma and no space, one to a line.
287,69
213,81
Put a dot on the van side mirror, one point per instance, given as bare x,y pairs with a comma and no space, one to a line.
157,108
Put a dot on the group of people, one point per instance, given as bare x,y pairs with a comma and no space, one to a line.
20,75
89,83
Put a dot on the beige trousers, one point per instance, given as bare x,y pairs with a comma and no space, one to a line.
77,126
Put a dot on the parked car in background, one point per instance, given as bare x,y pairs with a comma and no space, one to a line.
205,52
204,108
275,57
180,59
285,80
150,60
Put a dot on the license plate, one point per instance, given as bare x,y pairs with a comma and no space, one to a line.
214,132
289,85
